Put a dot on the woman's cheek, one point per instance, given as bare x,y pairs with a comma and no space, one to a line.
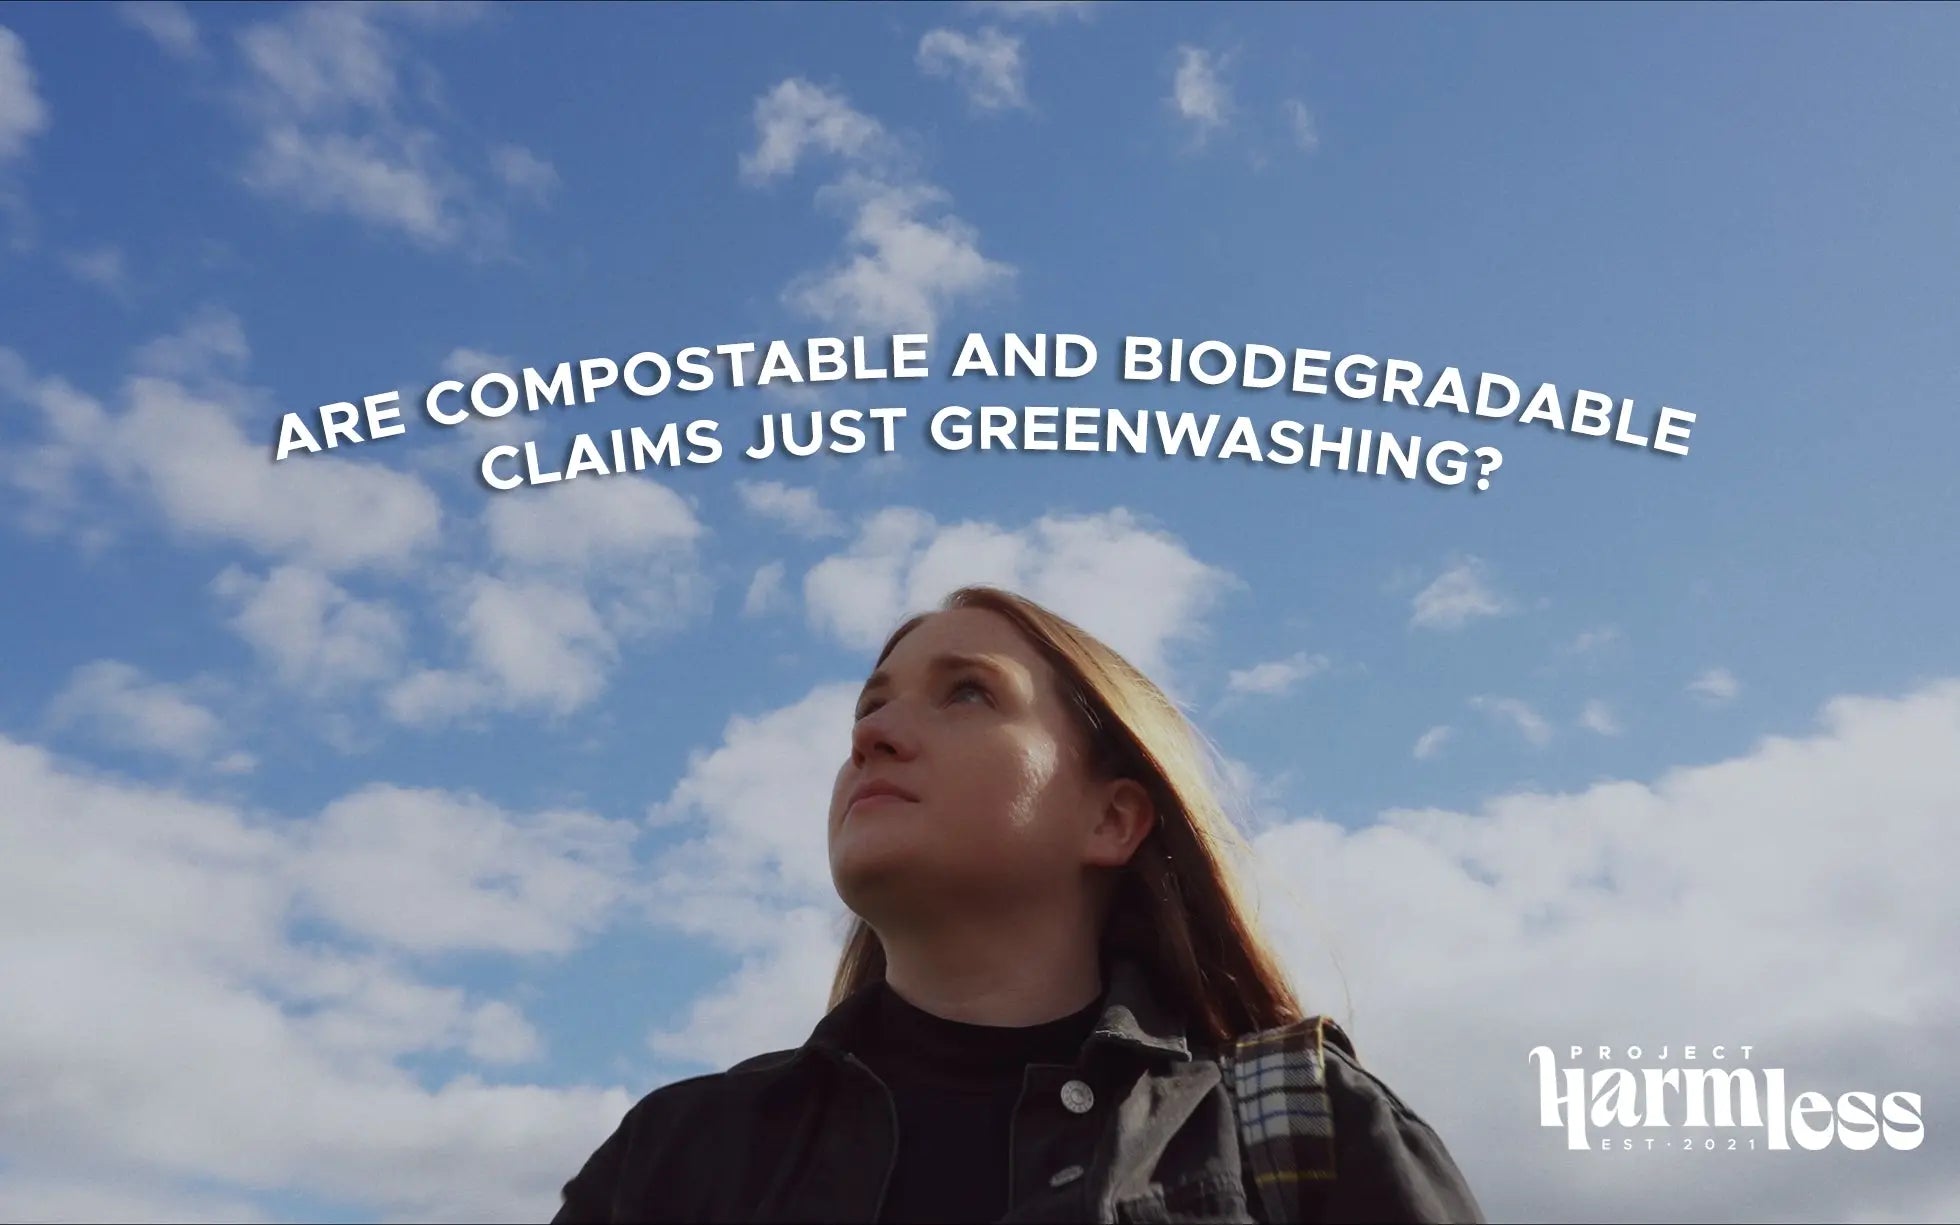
1033,775
837,792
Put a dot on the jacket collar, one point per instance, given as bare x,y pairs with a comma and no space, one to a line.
1134,1018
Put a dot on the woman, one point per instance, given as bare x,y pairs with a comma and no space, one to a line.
1038,1012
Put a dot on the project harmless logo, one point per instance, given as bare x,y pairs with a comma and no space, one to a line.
1721,1097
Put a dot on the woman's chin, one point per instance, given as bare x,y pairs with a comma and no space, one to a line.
876,870
859,864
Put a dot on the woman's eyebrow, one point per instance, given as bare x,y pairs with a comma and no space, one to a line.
945,662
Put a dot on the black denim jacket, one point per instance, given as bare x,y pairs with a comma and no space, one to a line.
1139,1128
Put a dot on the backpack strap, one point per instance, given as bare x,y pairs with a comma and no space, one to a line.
1278,1082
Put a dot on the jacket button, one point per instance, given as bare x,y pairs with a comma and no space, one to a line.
1078,1097
1066,1175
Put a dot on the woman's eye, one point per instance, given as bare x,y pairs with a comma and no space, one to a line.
959,690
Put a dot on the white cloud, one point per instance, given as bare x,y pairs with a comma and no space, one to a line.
1599,717
22,113
1137,588
499,1033
1251,798
881,467
859,596
211,344
1519,714
765,590
795,507
52,474
168,22
760,799
394,182
985,65
1795,897
580,525
117,703
193,459
426,871
185,453
1037,10
321,60
360,1005
28,1196
524,171
1198,91
905,260
466,364
314,635
325,87
1593,639
334,132
530,644
1300,122
1431,741
797,117
752,874
769,1002
101,266
434,696
1715,685
1275,677
1456,596
159,983
902,266
585,568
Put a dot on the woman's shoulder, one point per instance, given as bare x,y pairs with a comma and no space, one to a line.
1318,1112
676,1131
1348,1079
731,1086
1387,1156
1316,1055
693,1106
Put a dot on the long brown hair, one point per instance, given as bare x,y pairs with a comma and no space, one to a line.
1176,906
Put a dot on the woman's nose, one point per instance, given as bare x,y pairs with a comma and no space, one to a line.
885,732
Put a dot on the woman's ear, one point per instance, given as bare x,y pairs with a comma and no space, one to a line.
1126,818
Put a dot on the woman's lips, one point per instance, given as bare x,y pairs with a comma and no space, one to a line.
879,797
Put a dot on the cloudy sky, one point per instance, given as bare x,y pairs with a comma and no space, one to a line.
370,839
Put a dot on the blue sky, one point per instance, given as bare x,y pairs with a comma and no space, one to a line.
438,792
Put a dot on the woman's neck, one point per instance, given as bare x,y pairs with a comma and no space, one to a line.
993,974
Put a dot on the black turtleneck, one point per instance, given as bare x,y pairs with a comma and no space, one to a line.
956,1086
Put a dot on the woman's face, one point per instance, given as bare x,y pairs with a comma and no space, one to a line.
965,719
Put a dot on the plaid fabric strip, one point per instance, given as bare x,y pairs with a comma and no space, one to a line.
1286,1124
